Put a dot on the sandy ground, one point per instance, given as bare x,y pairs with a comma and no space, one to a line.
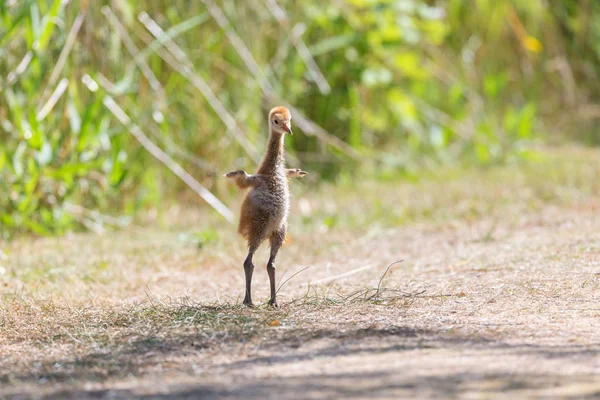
472,312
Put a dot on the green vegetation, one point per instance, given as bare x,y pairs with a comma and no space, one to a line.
396,85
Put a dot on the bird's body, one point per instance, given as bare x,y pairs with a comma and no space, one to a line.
266,206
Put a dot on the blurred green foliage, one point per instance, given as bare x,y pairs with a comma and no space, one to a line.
413,84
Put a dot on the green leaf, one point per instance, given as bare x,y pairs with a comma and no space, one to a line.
17,163
49,24
74,118
355,139
15,22
331,44
44,156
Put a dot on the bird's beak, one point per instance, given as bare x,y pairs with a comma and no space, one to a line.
287,127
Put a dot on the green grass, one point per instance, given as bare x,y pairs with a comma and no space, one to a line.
452,84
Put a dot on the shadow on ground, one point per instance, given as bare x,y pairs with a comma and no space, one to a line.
133,358
378,384
63,378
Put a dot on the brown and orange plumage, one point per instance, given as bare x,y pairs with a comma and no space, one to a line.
266,206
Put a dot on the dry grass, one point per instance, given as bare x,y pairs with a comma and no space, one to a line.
497,294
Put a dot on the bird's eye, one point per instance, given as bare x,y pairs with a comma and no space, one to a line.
276,122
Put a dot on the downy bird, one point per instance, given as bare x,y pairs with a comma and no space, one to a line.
266,206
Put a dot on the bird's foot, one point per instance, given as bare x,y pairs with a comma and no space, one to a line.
248,302
273,303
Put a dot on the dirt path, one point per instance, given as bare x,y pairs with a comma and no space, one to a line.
504,307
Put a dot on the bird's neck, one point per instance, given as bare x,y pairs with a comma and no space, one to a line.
273,159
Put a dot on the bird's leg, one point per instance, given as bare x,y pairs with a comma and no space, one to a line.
295,172
243,180
276,240
248,270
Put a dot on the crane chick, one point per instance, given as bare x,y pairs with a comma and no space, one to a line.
265,208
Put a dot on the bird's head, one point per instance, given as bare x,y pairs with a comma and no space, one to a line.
280,120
